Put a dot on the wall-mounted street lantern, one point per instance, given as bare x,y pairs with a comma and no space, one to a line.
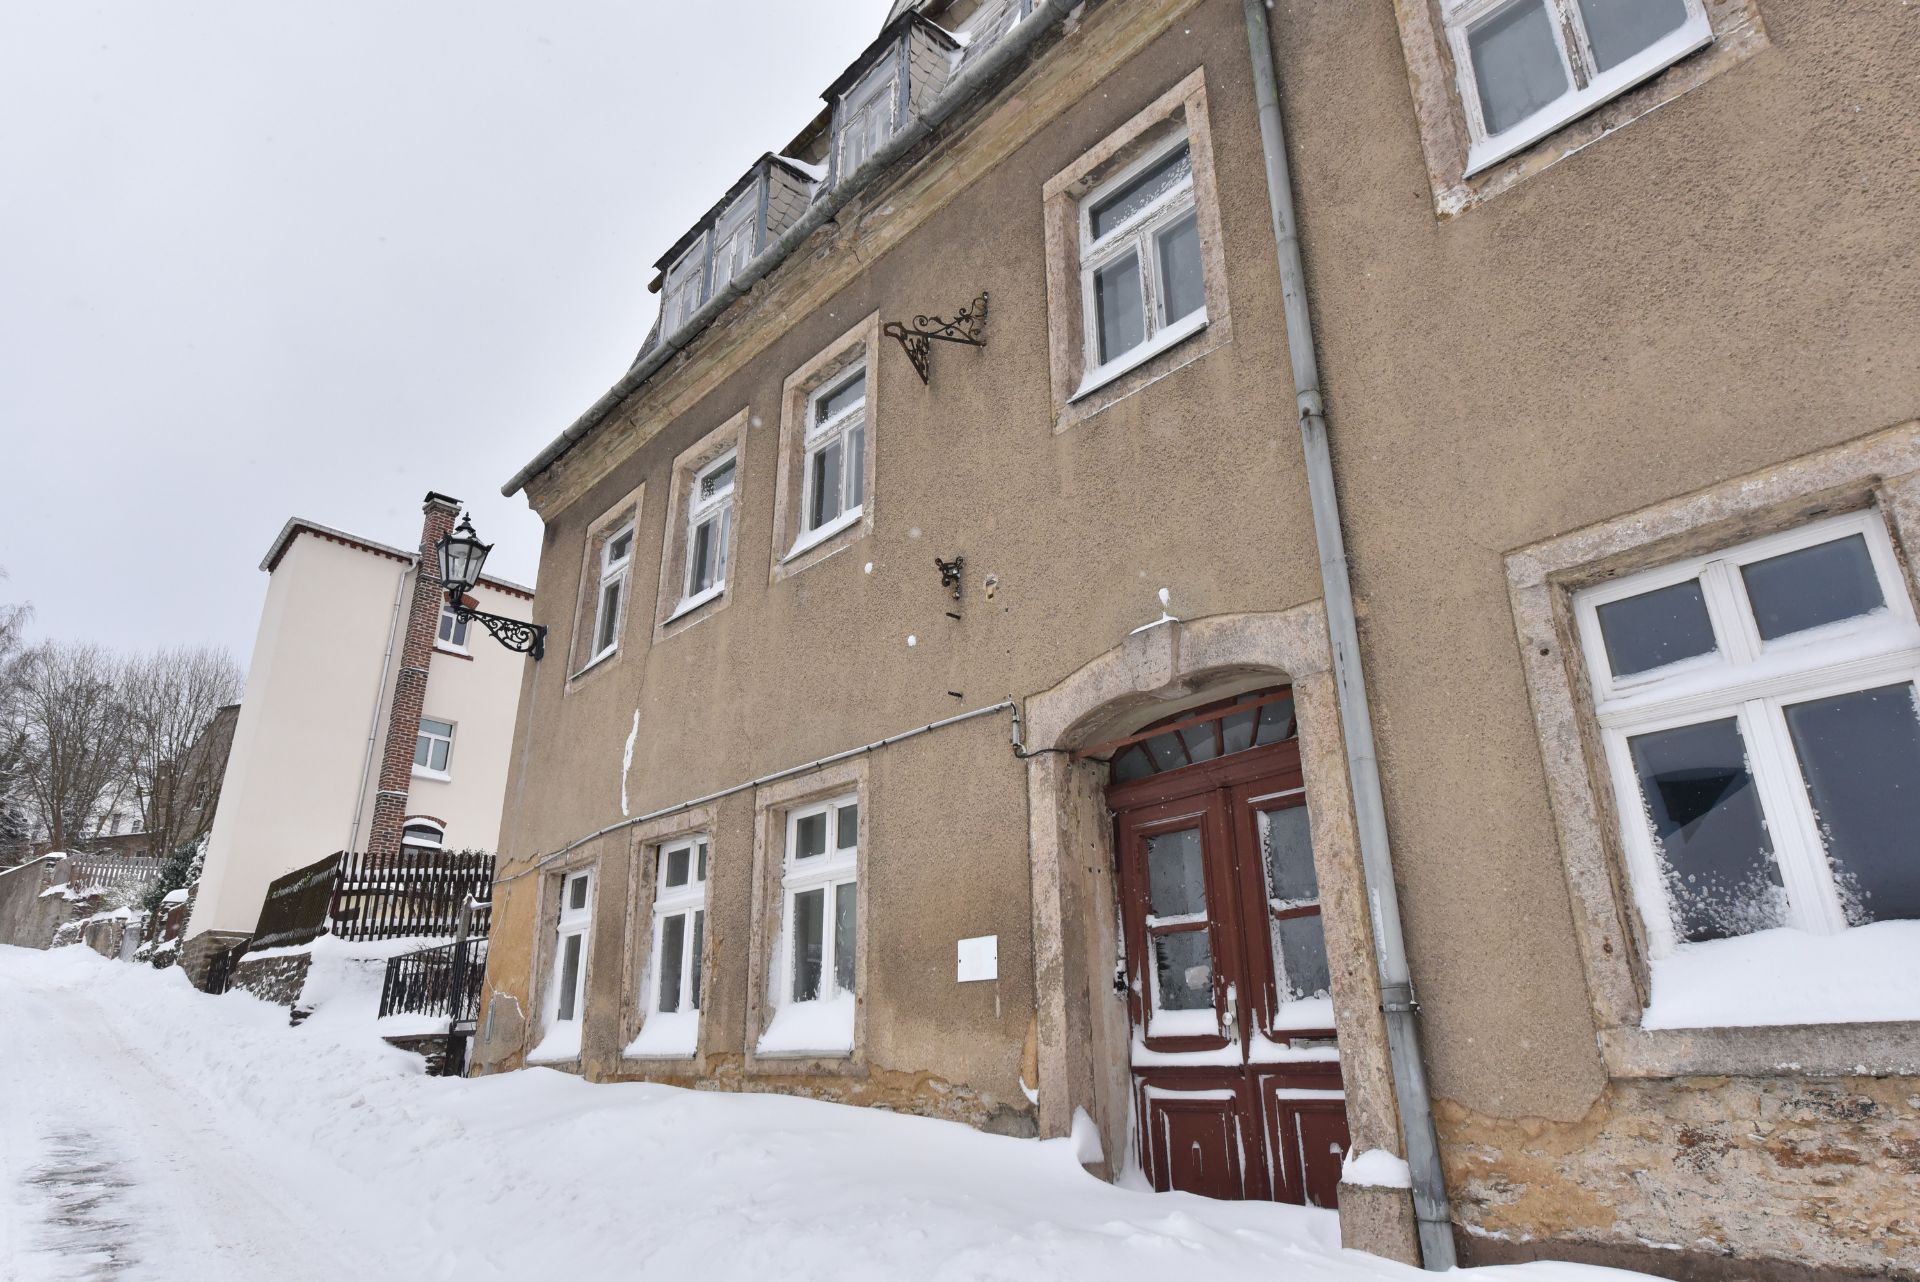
462,557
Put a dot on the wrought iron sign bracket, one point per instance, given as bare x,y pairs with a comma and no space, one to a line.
516,635
969,326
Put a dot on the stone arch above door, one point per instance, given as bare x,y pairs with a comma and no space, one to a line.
1082,1024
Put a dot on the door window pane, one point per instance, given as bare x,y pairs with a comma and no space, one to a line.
1182,292
1806,588
1176,875
1141,192
810,836
1202,742
569,974
1287,843
844,946
673,945
1618,29
1119,311
693,961
1300,945
1183,970
1516,64
1860,753
1719,870
1656,628
809,913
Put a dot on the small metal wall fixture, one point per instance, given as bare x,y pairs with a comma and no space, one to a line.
950,573
969,326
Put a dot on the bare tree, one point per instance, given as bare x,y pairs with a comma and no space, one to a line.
15,834
72,722
169,698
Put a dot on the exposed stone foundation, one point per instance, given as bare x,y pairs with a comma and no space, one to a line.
277,979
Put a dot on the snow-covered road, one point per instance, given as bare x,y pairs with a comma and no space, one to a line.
151,1132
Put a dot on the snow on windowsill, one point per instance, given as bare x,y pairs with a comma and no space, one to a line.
1375,1168
689,604
1868,974
1098,377
1306,1012
562,1043
810,1028
667,1035
815,537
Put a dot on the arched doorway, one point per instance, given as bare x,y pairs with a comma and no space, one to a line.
1234,1063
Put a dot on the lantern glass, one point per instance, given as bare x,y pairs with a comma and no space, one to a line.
462,556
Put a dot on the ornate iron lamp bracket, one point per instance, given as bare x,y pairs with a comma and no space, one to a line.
969,326
520,637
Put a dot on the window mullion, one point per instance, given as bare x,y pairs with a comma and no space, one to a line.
1149,293
1812,904
1727,607
1572,39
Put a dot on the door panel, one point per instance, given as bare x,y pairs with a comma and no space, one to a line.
1198,1133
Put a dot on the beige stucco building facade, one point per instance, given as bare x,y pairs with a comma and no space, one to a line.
1602,342
303,773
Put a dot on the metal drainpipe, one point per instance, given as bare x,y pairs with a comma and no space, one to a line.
1370,815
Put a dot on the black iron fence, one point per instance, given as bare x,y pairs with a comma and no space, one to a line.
443,981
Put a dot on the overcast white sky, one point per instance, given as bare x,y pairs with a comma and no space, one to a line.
260,260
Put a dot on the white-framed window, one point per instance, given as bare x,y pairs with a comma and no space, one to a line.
1141,282
868,116
610,608
1758,710
709,522
433,748
1526,67
672,1024
452,634
816,969
423,834
567,988
833,483
733,238
684,292
989,23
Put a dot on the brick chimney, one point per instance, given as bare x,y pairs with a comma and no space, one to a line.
410,689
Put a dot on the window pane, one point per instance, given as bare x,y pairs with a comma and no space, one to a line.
809,910
1286,840
422,746
1118,309
700,559
1860,753
1717,860
609,615
1804,589
1202,742
693,959
826,486
810,836
720,529
617,550
721,478
1183,967
1618,29
442,728
846,833
677,864
844,943
702,876
1656,628
1300,945
1236,728
1176,874
577,894
1162,178
1276,722
438,759
1167,751
856,487
841,399
569,974
1132,763
1516,64
1182,292
673,947
446,625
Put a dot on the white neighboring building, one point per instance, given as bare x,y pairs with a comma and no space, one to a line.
346,626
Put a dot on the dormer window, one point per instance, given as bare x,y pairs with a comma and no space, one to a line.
989,23
683,292
868,116
734,239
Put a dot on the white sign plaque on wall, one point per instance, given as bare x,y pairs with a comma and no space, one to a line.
979,958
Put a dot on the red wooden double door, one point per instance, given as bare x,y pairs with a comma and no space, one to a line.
1234,1060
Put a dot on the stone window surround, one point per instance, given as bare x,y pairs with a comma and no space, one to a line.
643,845
1082,1027
860,342
730,435
770,806
587,596
1738,34
1184,105
552,881
1880,471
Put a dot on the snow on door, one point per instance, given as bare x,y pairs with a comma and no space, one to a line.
1233,1056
